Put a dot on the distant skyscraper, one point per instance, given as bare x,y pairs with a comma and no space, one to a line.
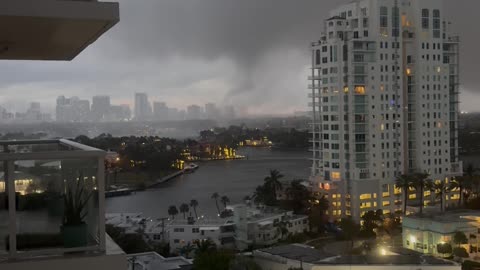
194,112
143,109
211,111
100,108
160,111
384,95
72,109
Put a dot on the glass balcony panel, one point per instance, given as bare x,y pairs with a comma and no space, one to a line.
44,189
3,212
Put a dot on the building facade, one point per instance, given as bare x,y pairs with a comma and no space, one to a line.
72,109
384,98
100,108
426,233
143,109
256,227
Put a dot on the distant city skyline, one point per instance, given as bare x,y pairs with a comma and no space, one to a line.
100,108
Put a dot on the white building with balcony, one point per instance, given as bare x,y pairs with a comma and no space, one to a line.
424,233
384,96
183,232
262,227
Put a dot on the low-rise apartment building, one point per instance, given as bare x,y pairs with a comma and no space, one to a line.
425,233
265,226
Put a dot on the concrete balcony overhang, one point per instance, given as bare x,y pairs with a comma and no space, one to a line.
52,29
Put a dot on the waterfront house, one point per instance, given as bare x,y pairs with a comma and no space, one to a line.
188,232
265,226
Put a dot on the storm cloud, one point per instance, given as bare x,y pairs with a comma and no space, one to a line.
253,54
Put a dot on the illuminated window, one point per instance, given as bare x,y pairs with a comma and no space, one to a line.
386,203
397,190
335,175
439,69
360,90
382,127
374,195
412,196
365,205
409,71
427,193
382,87
455,197
345,89
386,211
365,196
386,194
439,125
348,213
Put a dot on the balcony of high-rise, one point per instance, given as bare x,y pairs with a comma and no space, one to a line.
52,203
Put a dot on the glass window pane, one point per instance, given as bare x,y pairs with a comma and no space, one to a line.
3,212
57,203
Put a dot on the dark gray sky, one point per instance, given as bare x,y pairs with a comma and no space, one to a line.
250,53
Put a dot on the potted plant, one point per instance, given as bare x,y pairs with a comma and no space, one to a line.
74,228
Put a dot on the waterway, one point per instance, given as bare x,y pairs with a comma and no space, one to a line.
233,178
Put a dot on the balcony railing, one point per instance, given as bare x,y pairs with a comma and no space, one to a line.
51,198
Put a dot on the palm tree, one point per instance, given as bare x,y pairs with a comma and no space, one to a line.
225,200
471,173
184,209
404,182
282,227
420,182
273,183
460,183
215,196
186,250
205,246
172,211
194,204
440,188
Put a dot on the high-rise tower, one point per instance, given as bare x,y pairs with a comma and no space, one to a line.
384,93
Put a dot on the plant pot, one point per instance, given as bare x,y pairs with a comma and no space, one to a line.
75,235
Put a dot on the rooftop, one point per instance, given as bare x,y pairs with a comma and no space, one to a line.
386,260
460,215
296,252
154,261
308,254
